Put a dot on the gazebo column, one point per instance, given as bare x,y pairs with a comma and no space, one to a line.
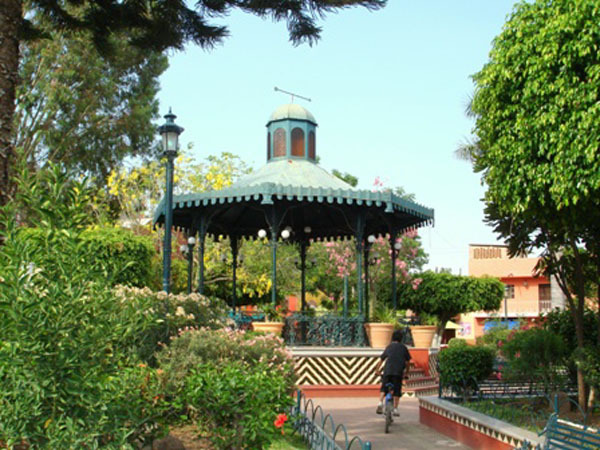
367,251
275,219
202,229
393,237
359,236
303,247
234,242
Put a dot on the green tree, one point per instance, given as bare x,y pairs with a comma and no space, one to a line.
82,111
444,296
537,128
156,25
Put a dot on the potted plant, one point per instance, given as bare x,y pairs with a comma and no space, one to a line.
380,330
274,320
423,334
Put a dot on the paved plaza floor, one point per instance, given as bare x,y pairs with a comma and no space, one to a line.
358,415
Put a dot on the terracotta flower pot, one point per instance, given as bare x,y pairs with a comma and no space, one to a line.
379,334
422,335
268,327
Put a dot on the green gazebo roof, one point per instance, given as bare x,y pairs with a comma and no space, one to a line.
302,193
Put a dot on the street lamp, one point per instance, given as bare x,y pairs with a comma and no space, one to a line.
170,139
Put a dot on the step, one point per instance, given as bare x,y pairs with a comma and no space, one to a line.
422,391
366,390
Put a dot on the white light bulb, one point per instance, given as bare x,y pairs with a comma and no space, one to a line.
397,245
191,240
307,230
371,239
285,234
183,249
262,233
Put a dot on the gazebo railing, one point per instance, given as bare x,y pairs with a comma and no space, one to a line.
314,329
324,330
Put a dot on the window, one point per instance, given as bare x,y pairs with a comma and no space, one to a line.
312,144
268,146
545,297
544,292
509,291
279,142
297,142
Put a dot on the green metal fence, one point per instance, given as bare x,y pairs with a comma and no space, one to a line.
319,430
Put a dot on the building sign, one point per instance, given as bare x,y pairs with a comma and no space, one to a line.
487,253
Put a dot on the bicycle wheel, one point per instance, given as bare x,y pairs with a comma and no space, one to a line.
388,415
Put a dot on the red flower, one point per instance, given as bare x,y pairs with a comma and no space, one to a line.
280,421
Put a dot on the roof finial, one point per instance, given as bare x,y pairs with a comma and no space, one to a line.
292,94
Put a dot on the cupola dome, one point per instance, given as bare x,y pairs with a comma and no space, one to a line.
291,134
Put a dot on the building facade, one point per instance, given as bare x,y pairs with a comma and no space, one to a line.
526,295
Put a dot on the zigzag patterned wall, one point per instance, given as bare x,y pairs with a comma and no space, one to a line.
336,370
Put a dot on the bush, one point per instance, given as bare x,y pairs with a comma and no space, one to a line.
535,355
167,315
235,404
232,383
67,355
120,255
588,360
462,366
69,370
196,347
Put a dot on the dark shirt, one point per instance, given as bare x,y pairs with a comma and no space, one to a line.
395,356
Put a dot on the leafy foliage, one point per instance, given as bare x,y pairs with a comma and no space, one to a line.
461,365
535,355
68,363
445,295
80,110
125,258
538,133
166,316
231,384
236,405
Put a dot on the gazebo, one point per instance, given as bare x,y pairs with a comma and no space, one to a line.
292,198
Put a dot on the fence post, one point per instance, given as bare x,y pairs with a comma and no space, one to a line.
367,446
298,399
556,403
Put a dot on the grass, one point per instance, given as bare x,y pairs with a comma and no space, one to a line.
288,442
531,414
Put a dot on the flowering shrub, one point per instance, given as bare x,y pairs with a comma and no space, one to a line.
164,316
69,374
234,403
194,347
231,383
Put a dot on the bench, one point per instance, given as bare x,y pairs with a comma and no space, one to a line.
568,435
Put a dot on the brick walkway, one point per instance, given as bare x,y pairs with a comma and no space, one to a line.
358,415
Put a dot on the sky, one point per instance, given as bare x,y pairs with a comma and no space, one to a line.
387,88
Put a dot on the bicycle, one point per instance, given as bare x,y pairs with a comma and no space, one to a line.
388,406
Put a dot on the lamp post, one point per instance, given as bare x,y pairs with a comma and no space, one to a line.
190,243
170,139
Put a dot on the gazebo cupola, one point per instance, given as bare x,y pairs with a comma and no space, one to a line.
291,134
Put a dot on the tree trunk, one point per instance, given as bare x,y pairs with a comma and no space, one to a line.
11,16
579,279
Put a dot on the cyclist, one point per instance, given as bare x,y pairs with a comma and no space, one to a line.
396,357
